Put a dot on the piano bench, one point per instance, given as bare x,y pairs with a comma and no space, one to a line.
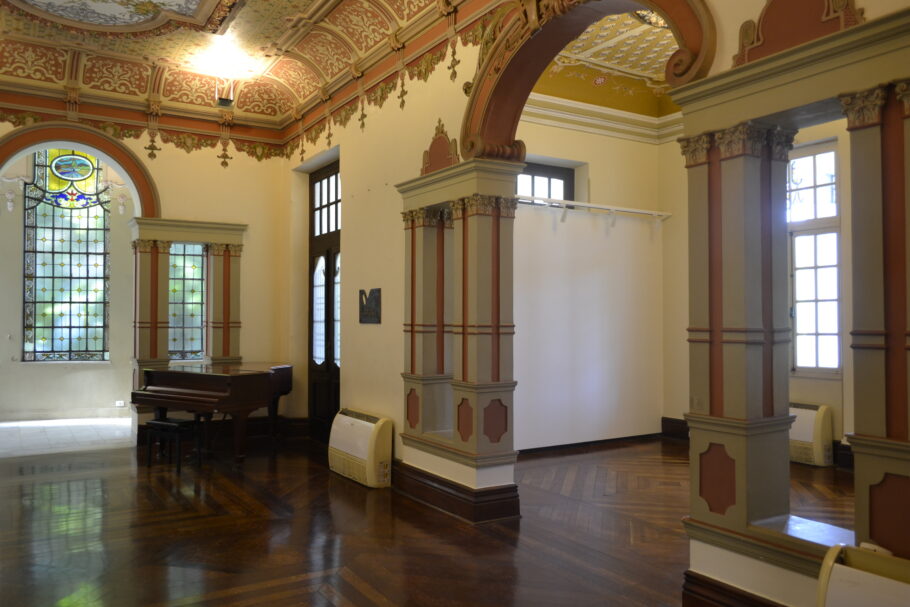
169,431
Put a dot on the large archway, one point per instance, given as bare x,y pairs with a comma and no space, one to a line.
520,42
21,140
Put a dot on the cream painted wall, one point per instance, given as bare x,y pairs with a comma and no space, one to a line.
388,151
672,180
729,16
588,327
834,390
589,297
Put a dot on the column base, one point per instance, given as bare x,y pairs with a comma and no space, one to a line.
472,505
882,478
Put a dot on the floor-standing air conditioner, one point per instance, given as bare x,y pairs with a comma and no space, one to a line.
360,447
811,435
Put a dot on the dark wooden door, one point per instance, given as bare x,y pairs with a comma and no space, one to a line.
325,300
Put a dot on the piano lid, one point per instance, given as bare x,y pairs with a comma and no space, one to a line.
223,368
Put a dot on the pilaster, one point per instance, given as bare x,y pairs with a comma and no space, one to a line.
879,128
150,324
458,384
223,288
739,324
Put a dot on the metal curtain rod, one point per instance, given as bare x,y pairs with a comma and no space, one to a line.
568,204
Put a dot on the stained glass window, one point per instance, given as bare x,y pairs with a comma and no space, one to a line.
67,266
186,301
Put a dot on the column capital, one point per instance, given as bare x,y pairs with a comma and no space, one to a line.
163,245
484,204
216,248
142,245
864,108
902,90
781,142
745,139
234,249
695,149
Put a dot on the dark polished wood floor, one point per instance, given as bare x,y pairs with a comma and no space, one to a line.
600,526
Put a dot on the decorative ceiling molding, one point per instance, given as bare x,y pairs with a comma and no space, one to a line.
599,120
111,18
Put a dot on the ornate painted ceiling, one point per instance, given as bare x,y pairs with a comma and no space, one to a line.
163,64
617,62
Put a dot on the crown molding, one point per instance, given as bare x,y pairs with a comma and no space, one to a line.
547,110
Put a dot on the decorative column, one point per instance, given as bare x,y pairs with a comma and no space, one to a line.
457,438
223,303
879,129
427,353
483,327
150,323
739,333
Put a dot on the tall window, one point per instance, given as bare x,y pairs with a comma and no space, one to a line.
186,301
813,218
66,259
325,298
545,181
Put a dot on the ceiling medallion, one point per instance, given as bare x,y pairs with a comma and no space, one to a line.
651,18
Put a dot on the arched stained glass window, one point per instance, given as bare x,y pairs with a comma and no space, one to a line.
67,267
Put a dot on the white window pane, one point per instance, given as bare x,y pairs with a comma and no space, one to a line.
319,311
339,212
828,351
824,168
827,317
804,284
805,350
338,186
524,185
827,283
317,196
316,224
802,205
801,173
336,311
825,202
541,186
332,218
805,317
556,189
325,223
804,251
827,249
331,181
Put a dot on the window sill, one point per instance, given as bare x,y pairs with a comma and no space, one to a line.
833,375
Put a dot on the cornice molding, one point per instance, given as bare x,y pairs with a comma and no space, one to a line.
866,41
599,120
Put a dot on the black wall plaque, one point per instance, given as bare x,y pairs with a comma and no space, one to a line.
371,307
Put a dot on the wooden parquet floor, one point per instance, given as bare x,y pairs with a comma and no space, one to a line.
600,526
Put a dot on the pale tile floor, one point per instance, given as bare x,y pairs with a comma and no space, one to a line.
64,435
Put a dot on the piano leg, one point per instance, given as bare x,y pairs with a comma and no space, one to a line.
239,418
273,421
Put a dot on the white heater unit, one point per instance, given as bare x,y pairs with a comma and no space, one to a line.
811,435
360,448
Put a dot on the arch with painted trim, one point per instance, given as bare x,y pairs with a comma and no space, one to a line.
32,137
522,38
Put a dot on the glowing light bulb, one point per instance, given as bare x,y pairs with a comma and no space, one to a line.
224,58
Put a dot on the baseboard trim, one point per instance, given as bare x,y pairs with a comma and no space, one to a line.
472,505
674,428
701,591
843,455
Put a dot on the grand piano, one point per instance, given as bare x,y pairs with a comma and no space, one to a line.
235,389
